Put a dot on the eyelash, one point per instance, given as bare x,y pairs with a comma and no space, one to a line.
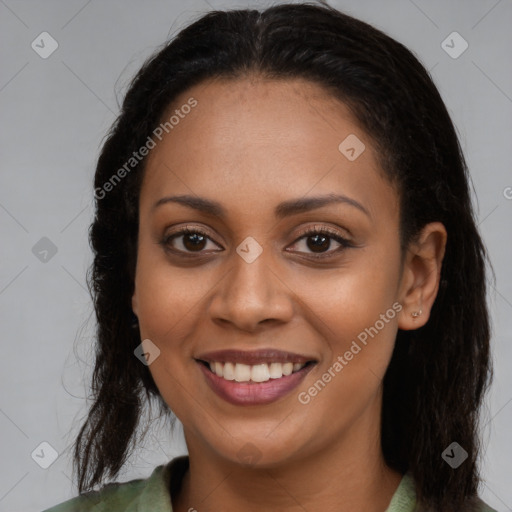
321,230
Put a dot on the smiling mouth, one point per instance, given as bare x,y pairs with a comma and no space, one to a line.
256,373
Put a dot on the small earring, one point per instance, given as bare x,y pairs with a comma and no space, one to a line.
416,314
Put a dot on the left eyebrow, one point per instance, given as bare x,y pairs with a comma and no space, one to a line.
305,204
284,209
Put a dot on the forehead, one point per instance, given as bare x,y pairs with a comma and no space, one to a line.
264,138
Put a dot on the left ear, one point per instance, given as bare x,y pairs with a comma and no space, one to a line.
421,275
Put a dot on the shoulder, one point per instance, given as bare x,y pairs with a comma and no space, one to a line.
152,493
112,496
405,499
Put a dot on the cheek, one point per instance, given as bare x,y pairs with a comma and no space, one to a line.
356,312
353,297
168,303
359,326
168,296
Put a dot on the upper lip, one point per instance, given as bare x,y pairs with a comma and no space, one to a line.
254,357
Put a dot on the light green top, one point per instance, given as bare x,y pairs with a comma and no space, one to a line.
153,494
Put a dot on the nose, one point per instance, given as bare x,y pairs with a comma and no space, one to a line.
251,294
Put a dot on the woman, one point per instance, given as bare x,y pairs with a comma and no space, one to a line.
286,257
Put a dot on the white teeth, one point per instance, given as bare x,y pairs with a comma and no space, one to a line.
276,370
218,369
260,373
229,371
255,373
287,368
242,372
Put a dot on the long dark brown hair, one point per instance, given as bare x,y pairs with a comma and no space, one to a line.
438,375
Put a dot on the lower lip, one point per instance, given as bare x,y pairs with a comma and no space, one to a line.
254,393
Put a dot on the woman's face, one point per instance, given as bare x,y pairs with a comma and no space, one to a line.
248,280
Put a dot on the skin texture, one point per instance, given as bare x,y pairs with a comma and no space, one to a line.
250,144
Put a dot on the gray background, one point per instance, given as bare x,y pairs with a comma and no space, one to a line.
54,114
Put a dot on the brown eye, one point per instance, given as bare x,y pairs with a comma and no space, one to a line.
194,241
319,241
187,240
